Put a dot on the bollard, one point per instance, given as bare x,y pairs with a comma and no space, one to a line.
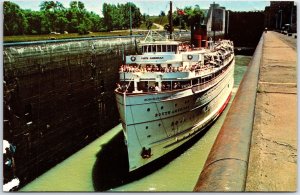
226,166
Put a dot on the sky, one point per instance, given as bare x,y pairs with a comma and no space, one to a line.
154,7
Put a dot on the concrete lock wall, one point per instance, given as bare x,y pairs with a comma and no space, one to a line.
226,166
58,97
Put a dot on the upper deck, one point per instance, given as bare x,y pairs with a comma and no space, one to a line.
165,62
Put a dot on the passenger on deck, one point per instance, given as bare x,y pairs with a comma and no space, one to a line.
157,88
176,86
151,88
118,87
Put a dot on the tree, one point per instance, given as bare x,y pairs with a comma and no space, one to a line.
47,5
53,16
149,24
15,22
107,17
118,17
193,16
96,22
162,14
189,16
55,12
36,22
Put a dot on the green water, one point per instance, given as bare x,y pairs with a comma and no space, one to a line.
102,165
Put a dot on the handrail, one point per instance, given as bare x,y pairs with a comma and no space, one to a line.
66,40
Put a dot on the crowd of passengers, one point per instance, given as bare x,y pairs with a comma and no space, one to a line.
164,87
154,68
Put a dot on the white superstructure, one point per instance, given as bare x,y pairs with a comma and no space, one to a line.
170,93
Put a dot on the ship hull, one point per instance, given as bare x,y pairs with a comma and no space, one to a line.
155,124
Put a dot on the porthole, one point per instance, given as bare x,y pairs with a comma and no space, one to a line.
148,109
162,107
159,124
146,127
148,136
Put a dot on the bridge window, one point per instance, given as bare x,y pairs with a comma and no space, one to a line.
195,81
143,85
164,48
158,48
166,85
153,48
169,48
174,48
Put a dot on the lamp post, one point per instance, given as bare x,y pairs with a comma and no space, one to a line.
276,21
280,19
292,14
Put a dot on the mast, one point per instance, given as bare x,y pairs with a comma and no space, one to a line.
130,18
213,21
171,20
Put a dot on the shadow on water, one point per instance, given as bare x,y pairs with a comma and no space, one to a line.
111,167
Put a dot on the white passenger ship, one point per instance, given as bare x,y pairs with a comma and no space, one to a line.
170,93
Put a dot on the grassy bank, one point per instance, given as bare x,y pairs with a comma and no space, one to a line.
22,38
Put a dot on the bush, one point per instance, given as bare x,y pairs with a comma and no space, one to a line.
82,30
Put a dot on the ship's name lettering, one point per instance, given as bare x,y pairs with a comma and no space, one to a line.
155,98
152,58
171,111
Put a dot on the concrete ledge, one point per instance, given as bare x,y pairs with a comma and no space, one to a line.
226,166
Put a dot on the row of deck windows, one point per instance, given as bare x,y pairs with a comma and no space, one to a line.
152,86
159,48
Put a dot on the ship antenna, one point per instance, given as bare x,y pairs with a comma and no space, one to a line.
130,18
213,21
171,20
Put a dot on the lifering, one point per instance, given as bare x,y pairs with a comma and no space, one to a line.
133,58
190,57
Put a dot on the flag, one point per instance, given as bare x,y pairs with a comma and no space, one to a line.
180,12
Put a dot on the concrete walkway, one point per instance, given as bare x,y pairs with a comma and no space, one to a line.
273,153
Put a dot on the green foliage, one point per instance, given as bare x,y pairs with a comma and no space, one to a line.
52,17
193,16
162,14
149,24
162,20
15,22
118,16
82,30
